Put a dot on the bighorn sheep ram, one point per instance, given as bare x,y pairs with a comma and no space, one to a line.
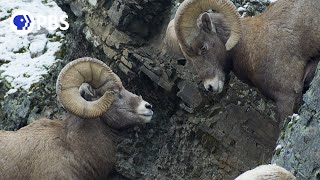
79,147
267,172
274,51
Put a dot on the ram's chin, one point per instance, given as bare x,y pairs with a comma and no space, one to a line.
146,118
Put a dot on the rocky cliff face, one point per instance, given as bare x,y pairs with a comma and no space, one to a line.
298,144
194,135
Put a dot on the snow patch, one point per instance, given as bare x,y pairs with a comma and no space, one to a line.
241,9
38,45
279,147
272,1
293,118
26,58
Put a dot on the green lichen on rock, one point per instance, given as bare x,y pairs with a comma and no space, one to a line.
55,38
22,107
15,109
9,13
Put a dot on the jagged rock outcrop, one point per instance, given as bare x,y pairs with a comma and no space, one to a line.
194,135
298,145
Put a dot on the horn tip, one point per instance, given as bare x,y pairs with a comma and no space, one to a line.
229,46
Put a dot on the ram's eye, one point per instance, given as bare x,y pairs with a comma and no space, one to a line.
120,95
203,49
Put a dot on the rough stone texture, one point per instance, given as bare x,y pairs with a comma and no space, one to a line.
138,17
193,135
300,141
251,7
19,113
219,141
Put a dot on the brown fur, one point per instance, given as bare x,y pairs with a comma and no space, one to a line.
47,149
74,148
275,48
272,54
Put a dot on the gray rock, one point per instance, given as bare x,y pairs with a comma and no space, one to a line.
109,52
125,69
15,110
165,83
130,65
137,17
118,38
38,45
76,8
300,140
153,76
117,12
93,2
219,140
190,94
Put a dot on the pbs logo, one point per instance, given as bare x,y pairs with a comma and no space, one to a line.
22,22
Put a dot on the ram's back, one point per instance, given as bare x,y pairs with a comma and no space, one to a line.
278,43
33,146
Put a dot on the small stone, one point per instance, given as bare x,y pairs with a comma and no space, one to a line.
76,8
38,45
117,38
93,2
126,62
165,83
189,93
125,69
150,74
109,52
125,53
241,9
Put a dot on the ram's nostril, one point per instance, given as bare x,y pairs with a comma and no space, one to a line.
210,88
148,106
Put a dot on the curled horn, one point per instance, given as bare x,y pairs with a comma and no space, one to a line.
85,70
189,11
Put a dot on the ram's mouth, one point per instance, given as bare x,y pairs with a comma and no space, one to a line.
146,116
144,111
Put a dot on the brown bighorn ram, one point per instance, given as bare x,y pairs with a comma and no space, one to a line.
267,172
79,147
273,51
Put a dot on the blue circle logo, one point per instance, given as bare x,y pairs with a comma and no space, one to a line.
22,22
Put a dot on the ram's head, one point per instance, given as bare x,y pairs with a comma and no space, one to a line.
205,31
89,89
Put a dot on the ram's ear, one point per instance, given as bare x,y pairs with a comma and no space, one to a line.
206,23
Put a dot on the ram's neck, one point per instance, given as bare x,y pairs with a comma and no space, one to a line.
249,46
91,144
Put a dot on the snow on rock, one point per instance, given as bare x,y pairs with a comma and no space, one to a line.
272,1
295,116
38,45
279,147
26,58
293,119
241,9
